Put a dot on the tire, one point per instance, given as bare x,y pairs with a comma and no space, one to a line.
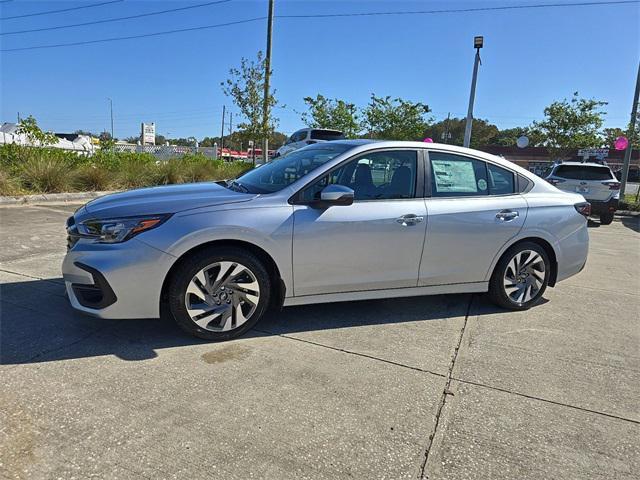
219,293
520,288
606,218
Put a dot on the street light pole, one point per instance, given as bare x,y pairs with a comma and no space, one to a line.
224,107
111,109
267,77
630,136
477,43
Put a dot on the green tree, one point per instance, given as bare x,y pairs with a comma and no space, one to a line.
483,133
84,132
395,118
332,113
245,86
29,127
571,124
106,141
509,136
610,135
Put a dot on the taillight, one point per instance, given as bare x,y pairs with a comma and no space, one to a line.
583,208
612,185
555,181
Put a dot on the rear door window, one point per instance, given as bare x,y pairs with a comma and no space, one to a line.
500,180
583,172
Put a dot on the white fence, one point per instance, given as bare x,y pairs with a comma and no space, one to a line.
166,152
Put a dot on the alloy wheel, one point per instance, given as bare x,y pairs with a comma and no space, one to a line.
222,296
524,276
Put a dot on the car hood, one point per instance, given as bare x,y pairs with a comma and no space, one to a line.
165,199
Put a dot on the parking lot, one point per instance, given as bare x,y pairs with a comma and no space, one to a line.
428,387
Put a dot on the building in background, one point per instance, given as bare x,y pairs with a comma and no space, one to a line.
536,159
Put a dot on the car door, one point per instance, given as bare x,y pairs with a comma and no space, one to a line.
375,243
473,210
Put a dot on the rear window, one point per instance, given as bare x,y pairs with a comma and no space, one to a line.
583,172
326,135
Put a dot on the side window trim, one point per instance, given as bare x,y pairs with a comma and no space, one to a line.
295,199
429,184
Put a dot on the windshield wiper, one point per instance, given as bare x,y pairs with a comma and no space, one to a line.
237,186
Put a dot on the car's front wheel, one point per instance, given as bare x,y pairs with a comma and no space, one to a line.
520,277
219,293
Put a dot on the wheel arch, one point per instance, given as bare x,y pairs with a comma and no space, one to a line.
263,255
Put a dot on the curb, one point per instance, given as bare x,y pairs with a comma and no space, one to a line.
627,213
52,197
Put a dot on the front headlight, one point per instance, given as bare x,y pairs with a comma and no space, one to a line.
116,230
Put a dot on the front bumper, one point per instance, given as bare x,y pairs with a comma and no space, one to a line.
598,207
116,281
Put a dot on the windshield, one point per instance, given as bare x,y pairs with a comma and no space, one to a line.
282,172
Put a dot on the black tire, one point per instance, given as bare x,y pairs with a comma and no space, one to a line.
190,266
497,290
606,218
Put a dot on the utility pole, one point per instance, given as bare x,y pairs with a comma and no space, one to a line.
446,128
630,137
111,108
267,77
477,43
222,133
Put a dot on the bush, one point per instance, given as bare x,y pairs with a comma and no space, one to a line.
40,170
93,178
45,173
629,203
8,184
168,172
135,172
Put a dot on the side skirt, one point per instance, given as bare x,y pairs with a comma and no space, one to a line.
475,287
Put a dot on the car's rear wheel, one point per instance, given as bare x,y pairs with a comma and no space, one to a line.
520,277
606,218
219,293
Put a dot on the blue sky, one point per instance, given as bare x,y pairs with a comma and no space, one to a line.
531,57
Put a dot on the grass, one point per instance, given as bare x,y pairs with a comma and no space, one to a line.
28,170
630,202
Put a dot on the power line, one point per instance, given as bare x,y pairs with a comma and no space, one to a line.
61,10
328,15
108,20
461,10
155,34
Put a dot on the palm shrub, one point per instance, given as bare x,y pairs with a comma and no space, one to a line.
197,168
8,184
93,177
135,170
42,172
167,172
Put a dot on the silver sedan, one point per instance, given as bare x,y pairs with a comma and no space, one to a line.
338,221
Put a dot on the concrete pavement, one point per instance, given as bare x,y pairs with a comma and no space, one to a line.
434,387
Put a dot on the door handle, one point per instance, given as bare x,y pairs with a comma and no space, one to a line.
409,219
507,215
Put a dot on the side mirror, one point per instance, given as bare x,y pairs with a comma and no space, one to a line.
336,195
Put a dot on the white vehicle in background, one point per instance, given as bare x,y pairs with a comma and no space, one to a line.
594,181
308,136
